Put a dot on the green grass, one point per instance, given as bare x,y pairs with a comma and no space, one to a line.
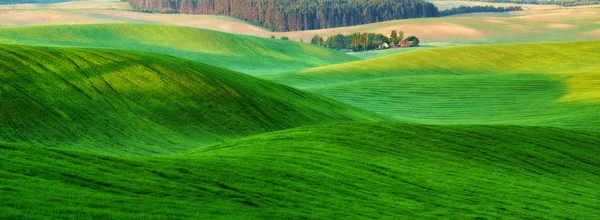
380,53
542,84
113,131
141,103
247,54
336,171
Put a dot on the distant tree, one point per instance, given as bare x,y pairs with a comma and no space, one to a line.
400,36
285,38
394,38
415,41
317,40
295,15
380,38
356,41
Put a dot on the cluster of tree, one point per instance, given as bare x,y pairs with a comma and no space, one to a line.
32,1
363,41
293,15
472,9
566,3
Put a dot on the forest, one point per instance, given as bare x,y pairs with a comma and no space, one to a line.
295,15
473,9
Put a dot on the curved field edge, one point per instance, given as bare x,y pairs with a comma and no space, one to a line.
354,170
131,102
252,55
541,84
526,26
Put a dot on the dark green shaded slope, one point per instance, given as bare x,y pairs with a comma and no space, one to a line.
118,101
243,53
349,171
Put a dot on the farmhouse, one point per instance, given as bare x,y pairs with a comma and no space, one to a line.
383,45
405,43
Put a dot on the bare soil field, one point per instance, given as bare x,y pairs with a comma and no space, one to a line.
524,26
72,5
443,5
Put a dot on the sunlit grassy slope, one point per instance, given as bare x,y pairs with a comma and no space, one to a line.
141,103
347,171
237,52
556,84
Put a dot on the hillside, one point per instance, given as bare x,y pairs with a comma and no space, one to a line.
564,24
564,3
63,4
357,171
31,1
545,84
449,4
236,52
127,102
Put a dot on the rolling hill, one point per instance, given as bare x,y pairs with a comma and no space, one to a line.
544,84
579,23
129,102
247,54
64,5
349,171
449,4
153,121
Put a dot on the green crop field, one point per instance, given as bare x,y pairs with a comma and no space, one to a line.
135,103
543,84
251,55
122,115
337,171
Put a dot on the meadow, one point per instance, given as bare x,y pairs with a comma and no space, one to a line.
248,54
128,115
541,84
129,102
336,171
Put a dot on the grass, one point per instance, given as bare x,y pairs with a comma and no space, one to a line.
128,102
93,125
542,84
380,53
236,52
357,171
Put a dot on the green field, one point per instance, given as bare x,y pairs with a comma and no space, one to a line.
141,103
345,171
247,54
154,121
542,84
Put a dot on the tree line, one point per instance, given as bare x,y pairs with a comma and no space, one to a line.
473,9
295,15
362,41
